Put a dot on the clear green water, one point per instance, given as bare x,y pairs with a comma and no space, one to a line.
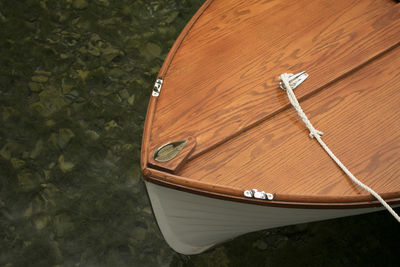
75,79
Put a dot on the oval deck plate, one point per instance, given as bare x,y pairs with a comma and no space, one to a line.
169,151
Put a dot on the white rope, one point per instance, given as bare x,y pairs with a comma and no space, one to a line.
317,135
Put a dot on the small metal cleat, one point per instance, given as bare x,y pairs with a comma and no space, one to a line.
157,87
260,195
254,193
248,193
295,80
270,196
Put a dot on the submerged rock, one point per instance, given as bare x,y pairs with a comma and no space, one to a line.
260,244
17,163
92,134
34,86
151,51
64,136
139,233
80,4
37,149
42,222
65,166
40,79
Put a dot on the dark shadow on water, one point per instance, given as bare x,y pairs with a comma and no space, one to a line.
364,240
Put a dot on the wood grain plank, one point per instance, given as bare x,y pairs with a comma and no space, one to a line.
146,149
222,78
360,116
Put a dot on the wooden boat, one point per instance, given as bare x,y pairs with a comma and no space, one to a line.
218,125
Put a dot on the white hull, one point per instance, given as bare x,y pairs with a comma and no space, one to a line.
192,223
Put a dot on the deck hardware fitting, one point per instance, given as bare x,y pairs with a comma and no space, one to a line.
169,151
295,80
254,193
157,87
248,193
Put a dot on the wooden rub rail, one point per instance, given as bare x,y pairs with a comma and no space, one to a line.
280,200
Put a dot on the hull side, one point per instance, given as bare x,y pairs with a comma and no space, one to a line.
192,223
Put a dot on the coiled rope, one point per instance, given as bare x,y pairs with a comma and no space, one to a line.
314,133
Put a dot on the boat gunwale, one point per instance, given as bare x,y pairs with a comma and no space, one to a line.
280,200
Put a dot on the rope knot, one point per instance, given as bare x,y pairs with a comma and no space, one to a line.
295,103
314,133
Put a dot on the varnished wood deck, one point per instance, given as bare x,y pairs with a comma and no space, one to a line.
221,88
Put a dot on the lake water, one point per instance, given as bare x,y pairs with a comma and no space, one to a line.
75,79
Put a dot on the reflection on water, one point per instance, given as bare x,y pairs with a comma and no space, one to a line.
75,78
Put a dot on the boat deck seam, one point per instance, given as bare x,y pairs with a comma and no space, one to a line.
300,99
